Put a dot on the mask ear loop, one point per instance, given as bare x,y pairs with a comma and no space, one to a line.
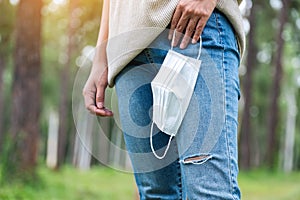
200,49
152,148
173,39
151,130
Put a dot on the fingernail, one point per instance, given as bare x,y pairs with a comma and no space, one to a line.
100,105
182,46
109,113
194,41
169,36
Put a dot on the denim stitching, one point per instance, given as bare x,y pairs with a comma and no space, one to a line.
150,59
218,27
225,105
180,180
229,159
217,23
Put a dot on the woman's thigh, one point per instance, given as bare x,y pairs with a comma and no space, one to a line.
156,179
208,146
202,161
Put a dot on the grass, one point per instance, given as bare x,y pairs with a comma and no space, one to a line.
107,184
71,184
263,185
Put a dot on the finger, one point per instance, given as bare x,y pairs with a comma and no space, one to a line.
89,100
175,20
199,29
103,112
92,109
189,33
100,99
180,28
100,96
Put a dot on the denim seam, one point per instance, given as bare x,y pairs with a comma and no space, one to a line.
229,158
180,180
225,104
217,25
227,141
149,58
226,125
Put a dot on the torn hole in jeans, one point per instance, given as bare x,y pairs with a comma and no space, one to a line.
199,159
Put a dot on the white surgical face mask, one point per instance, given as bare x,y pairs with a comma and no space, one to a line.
172,90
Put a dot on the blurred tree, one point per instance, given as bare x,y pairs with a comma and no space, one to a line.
6,24
289,141
273,120
246,129
65,79
83,21
67,32
2,67
86,142
264,41
295,7
290,89
25,123
68,27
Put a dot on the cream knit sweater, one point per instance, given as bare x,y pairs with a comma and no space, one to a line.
134,24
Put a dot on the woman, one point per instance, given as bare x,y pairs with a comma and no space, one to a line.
202,160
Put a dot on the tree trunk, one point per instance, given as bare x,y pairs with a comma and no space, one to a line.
272,139
246,129
84,143
26,87
290,130
63,117
65,100
52,141
2,67
6,24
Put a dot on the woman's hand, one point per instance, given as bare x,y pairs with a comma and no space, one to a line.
94,89
94,92
190,16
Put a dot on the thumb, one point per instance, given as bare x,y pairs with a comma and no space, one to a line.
100,96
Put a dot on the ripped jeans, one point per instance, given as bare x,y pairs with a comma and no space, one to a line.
202,160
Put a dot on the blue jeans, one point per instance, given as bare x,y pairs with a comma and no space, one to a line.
202,160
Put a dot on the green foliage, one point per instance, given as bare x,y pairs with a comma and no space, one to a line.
71,184
9,171
7,167
56,19
55,30
267,185
108,184
7,24
267,24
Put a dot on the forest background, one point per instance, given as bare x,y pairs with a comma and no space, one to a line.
43,46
